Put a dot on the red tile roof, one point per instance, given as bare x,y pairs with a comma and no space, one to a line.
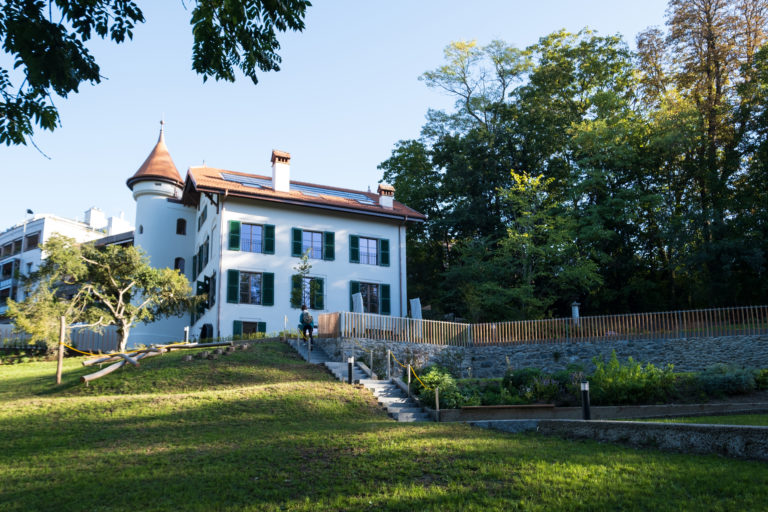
210,179
158,166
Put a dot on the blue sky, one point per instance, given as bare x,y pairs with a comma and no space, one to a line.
347,92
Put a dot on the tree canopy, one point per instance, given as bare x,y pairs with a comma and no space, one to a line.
638,178
47,41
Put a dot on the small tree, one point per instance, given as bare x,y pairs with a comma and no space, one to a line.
51,293
297,290
115,285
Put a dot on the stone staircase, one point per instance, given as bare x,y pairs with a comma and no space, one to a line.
389,394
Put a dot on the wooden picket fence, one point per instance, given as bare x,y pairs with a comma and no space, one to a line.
81,338
748,320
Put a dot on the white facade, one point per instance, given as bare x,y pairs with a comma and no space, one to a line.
336,274
19,252
244,238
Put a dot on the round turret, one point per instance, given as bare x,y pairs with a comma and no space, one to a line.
164,230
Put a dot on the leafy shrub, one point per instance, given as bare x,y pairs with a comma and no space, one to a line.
613,383
545,389
516,380
722,380
761,379
435,377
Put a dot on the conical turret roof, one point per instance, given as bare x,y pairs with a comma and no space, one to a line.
158,166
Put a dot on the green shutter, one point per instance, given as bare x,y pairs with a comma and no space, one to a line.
318,293
354,287
234,235
384,252
329,250
296,291
268,289
237,328
354,249
261,327
194,267
269,239
233,286
296,242
386,307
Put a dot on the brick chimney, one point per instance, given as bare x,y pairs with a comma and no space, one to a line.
386,195
281,171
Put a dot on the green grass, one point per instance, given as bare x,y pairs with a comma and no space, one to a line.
262,430
759,420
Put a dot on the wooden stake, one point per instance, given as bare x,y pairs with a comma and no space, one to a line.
62,334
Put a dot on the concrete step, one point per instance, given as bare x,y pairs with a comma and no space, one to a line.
411,417
398,411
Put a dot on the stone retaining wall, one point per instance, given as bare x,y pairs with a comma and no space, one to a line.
686,354
738,441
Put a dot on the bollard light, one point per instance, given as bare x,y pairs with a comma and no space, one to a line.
585,413
350,362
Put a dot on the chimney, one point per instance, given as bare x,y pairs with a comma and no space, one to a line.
386,195
95,218
281,171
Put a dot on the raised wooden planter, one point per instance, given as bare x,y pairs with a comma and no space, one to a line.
550,412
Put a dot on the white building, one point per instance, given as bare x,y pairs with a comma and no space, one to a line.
19,245
238,237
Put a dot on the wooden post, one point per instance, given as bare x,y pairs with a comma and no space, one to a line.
62,334
437,404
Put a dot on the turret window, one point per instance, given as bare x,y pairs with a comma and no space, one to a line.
178,264
181,227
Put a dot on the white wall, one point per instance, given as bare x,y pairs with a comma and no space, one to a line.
337,274
155,233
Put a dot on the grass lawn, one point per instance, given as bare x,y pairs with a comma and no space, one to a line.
759,420
262,430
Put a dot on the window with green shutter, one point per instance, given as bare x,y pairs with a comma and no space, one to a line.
354,249
386,308
233,286
384,252
296,295
354,287
237,328
234,235
268,283
269,239
296,242
329,250
318,296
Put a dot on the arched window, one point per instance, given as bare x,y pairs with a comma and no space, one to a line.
181,227
141,229
178,264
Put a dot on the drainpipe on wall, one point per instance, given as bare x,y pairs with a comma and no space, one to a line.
401,244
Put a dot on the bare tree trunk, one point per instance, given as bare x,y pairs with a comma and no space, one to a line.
124,332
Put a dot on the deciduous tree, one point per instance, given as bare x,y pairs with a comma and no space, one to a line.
47,41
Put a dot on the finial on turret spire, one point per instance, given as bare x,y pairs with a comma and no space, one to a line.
162,127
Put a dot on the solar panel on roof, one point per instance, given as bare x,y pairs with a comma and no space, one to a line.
307,190
247,180
316,191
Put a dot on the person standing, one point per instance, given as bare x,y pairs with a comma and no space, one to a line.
306,322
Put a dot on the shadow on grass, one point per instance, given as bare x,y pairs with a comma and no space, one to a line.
310,446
